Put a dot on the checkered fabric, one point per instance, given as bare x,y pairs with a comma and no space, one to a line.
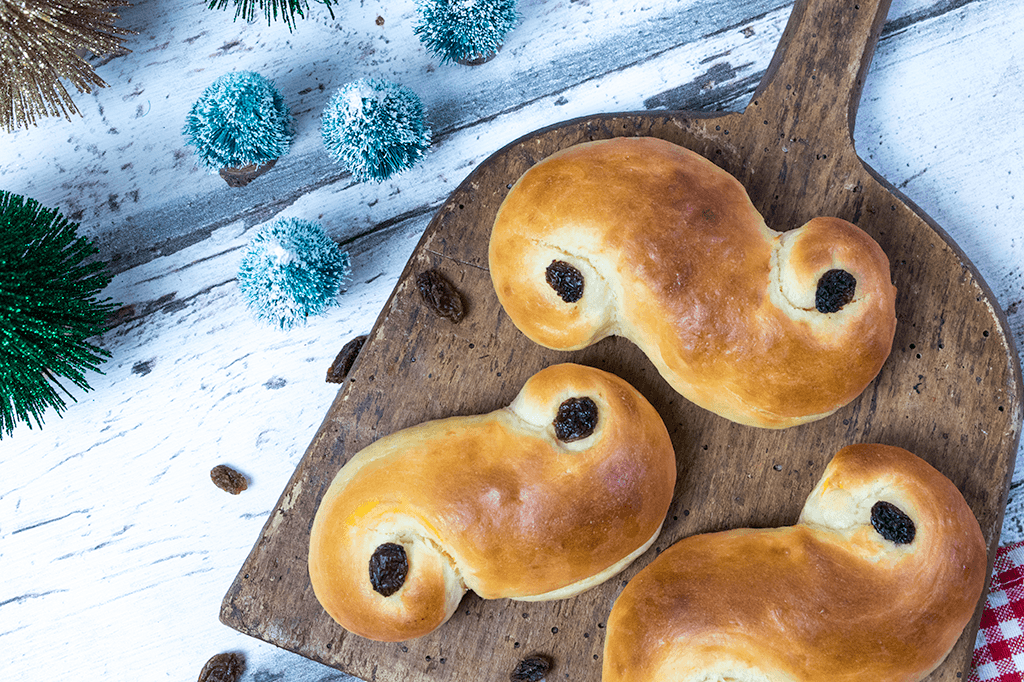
999,649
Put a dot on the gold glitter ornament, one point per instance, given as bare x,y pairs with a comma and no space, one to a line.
41,42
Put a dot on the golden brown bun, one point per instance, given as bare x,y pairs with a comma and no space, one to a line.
675,258
829,599
494,503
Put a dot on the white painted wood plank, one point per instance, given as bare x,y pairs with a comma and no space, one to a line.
127,175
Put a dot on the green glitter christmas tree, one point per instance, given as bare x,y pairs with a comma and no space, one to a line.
48,310
271,9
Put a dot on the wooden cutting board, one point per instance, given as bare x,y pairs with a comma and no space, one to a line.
950,392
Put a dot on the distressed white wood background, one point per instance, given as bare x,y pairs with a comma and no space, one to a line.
115,548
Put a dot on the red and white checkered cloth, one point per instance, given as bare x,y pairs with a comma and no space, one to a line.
999,649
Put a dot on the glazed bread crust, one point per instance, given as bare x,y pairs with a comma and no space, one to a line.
827,600
494,503
675,257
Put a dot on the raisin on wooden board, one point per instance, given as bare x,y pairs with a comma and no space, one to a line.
892,523
388,568
226,478
440,296
346,357
531,669
577,419
227,667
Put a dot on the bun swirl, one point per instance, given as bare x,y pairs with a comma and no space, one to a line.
542,499
876,581
642,238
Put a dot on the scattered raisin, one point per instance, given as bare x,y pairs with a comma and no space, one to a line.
226,667
440,295
577,419
835,289
566,280
342,364
226,478
892,523
388,568
531,669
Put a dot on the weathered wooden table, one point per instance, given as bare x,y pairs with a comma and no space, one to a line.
115,549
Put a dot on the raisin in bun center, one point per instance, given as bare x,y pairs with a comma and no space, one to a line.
641,238
542,499
876,581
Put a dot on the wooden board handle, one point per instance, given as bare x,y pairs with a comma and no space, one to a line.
814,79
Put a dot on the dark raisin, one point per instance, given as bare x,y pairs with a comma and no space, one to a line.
532,669
566,280
440,295
892,523
577,419
226,478
223,668
342,364
388,568
835,289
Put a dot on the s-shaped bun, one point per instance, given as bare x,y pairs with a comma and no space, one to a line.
641,238
876,581
542,499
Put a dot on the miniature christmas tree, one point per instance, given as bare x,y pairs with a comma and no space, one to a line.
375,128
465,31
39,41
240,123
291,270
48,310
287,9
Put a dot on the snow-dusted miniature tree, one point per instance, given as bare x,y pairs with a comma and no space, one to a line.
49,281
271,9
291,270
465,31
239,121
375,128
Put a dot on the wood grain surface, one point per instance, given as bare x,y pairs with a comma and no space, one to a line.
792,148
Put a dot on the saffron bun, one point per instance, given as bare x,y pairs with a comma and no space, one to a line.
642,238
542,499
854,591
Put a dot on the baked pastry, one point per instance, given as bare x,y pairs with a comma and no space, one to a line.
876,581
642,238
539,500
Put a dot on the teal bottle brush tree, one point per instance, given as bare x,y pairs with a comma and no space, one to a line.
239,127
49,310
375,128
465,31
291,270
